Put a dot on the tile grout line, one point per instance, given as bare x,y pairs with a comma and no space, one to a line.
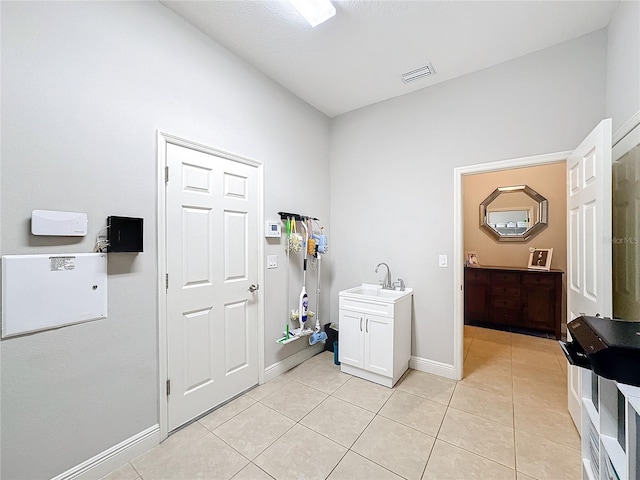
374,462
514,403
182,428
512,427
513,414
230,418
375,414
359,406
339,461
265,449
441,423
298,422
251,463
135,470
378,414
477,454
348,449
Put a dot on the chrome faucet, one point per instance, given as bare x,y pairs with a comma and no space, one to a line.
387,279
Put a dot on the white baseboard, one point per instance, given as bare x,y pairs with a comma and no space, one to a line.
272,371
431,366
114,457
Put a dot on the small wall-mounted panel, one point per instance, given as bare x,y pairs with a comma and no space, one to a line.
125,234
272,230
41,292
60,224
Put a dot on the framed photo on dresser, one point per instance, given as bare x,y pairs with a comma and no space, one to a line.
471,259
540,259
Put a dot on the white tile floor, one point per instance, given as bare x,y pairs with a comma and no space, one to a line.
506,419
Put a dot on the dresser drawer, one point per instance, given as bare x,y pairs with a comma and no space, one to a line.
505,316
542,279
506,290
506,303
505,277
476,275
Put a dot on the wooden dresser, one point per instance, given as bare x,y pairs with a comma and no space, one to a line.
513,299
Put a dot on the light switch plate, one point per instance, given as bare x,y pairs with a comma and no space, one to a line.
442,260
272,261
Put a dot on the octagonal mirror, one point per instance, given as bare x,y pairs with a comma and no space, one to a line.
514,214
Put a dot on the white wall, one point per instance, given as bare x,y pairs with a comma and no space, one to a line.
392,164
85,85
623,63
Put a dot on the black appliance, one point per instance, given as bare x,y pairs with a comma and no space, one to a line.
124,234
611,348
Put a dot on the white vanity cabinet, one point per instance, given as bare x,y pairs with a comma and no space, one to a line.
375,333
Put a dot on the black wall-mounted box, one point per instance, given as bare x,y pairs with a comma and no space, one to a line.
124,234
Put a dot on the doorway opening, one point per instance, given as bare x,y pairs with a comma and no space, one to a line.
459,244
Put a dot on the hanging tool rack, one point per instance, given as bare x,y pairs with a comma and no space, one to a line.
284,216
295,216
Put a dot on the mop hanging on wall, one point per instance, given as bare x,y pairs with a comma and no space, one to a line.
303,305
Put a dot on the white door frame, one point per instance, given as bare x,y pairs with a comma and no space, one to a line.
163,139
458,238
623,142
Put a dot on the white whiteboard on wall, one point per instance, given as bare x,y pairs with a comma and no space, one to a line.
40,292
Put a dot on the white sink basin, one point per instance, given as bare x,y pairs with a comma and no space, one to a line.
376,292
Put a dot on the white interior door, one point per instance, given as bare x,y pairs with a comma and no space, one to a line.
211,243
588,239
626,225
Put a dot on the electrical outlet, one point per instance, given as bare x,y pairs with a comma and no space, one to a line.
442,260
272,261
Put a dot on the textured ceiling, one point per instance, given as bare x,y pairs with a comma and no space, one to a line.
357,57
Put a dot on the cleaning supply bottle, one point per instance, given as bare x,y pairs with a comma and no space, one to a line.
304,304
321,243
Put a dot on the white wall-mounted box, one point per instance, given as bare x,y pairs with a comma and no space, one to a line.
272,230
62,224
40,292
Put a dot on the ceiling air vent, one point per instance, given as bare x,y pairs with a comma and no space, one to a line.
418,73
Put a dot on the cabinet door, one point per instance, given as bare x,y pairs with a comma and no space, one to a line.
351,344
378,344
539,307
475,301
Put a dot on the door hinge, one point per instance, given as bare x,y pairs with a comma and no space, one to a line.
166,281
166,174
168,387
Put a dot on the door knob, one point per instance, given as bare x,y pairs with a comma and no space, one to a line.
252,288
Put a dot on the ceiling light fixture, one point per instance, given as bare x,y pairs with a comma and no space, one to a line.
418,73
314,11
